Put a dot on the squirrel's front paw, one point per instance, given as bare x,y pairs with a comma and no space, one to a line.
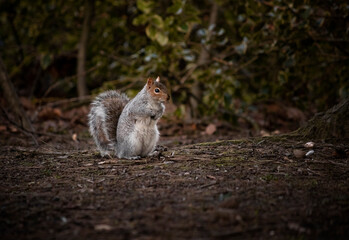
156,116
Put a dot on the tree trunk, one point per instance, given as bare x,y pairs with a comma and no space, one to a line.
12,99
334,123
203,59
81,68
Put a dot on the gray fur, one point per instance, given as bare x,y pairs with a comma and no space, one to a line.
103,118
127,128
137,133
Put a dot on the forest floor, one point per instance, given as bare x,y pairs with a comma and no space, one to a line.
199,187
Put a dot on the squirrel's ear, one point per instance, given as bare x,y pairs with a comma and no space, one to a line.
157,79
150,82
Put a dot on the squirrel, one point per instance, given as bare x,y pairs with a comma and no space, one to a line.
128,127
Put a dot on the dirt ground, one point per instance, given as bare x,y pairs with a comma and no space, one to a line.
252,188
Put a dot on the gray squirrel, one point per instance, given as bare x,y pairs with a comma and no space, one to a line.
128,127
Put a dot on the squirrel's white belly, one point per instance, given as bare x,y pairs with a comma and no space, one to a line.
145,137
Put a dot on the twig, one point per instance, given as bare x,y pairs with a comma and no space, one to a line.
31,133
208,185
222,61
246,63
46,151
22,129
66,79
126,62
70,100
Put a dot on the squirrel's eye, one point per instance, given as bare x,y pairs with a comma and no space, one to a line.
157,90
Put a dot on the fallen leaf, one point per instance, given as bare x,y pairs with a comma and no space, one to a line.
309,144
193,127
103,227
210,129
13,129
26,103
50,113
74,137
231,202
108,162
276,132
298,153
3,128
264,133
211,177
287,159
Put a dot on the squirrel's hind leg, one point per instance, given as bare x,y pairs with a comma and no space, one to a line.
123,156
97,127
104,149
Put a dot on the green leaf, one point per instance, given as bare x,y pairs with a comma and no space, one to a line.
183,27
176,8
157,21
145,6
161,38
150,30
169,21
140,20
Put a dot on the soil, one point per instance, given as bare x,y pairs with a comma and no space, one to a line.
252,188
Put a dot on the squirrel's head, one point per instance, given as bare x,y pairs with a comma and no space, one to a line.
157,90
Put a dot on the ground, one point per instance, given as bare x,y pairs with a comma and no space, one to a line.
197,188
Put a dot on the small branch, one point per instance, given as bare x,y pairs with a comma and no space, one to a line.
70,100
23,130
246,64
32,134
119,59
222,61
67,79
12,98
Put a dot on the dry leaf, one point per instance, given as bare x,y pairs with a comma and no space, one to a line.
50,113
13,129
210,129
112,161
74,137
231,202
309,145
3,128
276,132
193,127
264,133
298,153
103,227
211,177
26,103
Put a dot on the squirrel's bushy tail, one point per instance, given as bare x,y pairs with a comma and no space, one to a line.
103,119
